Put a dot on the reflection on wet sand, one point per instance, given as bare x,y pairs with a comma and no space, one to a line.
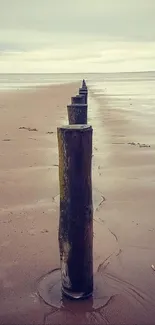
127,181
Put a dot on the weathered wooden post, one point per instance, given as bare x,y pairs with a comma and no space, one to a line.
83,92
84,84
76,210
78,99
77,113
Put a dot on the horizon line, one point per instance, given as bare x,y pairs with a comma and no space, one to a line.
114,72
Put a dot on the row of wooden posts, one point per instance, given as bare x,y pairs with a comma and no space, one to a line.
76,208
77,111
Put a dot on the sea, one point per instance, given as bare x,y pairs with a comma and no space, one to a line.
139,87
117,82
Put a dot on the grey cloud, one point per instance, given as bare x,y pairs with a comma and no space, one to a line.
81,35
126,19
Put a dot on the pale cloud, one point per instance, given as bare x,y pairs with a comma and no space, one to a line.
94,57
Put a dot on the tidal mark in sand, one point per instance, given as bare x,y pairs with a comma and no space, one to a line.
27,128
44,231
87,311
141,145
113,234
132,143
101,265
105,266
132,290
144,145
6,140
103,199
119,253
94,317
110,300
49,132
45,318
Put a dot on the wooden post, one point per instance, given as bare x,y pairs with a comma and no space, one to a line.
77,113
83,92
78,99
84,84
76,210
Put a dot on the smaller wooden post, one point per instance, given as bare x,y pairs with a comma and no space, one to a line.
77,113
76,210
84,92
84,84
78,99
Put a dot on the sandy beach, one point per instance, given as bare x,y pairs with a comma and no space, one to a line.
124,223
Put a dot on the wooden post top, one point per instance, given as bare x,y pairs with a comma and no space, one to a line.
78,96
71,127
78,99
77,105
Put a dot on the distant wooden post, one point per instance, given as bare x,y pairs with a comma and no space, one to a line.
76,210
77,113
84,84
78,99
83,92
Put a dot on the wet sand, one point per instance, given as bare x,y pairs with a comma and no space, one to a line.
124,225
124,157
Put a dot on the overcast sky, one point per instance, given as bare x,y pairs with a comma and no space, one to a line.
77,35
